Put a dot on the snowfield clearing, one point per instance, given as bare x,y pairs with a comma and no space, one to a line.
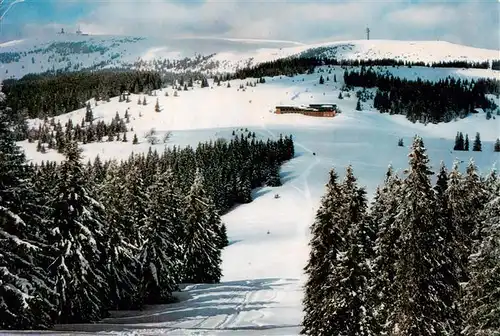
261,289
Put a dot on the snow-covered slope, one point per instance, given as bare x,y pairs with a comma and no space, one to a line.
73,52
261,289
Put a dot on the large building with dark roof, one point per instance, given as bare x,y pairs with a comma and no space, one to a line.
314,110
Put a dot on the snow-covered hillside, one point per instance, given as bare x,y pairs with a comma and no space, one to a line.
261,289
72,52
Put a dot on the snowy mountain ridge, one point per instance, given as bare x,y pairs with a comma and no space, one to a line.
72,52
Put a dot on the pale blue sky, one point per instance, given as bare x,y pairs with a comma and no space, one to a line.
474,23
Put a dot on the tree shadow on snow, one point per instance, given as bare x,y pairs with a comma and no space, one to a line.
258,192
201,301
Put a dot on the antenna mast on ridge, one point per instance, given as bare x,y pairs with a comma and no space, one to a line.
367,33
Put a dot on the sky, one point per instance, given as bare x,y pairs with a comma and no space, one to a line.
474,23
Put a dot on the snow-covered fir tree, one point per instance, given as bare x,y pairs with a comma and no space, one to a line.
202,262
482,292
328,241
120,259
347,301
476,198
454,216
383,213
160,256
136,202
424,301
26,291
76,239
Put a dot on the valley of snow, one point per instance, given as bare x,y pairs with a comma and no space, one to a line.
73,52
261,289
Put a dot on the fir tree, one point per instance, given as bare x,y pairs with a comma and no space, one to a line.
76,238
157,106
327,243
26,291
273,177
423,302
459,141
476,197
202,252
383,214
120,260
466,144
482,291
496,147
348,297
160,256
321,80
358,106
136,200
136,140
476,146
88,114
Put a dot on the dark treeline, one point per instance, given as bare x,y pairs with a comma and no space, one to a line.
423,259
444,100
79,240
38,96
495,65
462,64
292,66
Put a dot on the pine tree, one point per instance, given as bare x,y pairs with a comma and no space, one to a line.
456,220
348,296
459,141
383,214
358,106
121,262
26,291
202,253
136,203
273,176
424,300
223,236
496,147
482,291
76,238
466,144
335,78
476,146
88,114
136,140
157,106
321,80
160,256
340,95
144,102
327,243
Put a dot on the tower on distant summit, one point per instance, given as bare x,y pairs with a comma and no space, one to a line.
367,33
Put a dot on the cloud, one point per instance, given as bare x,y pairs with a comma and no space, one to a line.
473,23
